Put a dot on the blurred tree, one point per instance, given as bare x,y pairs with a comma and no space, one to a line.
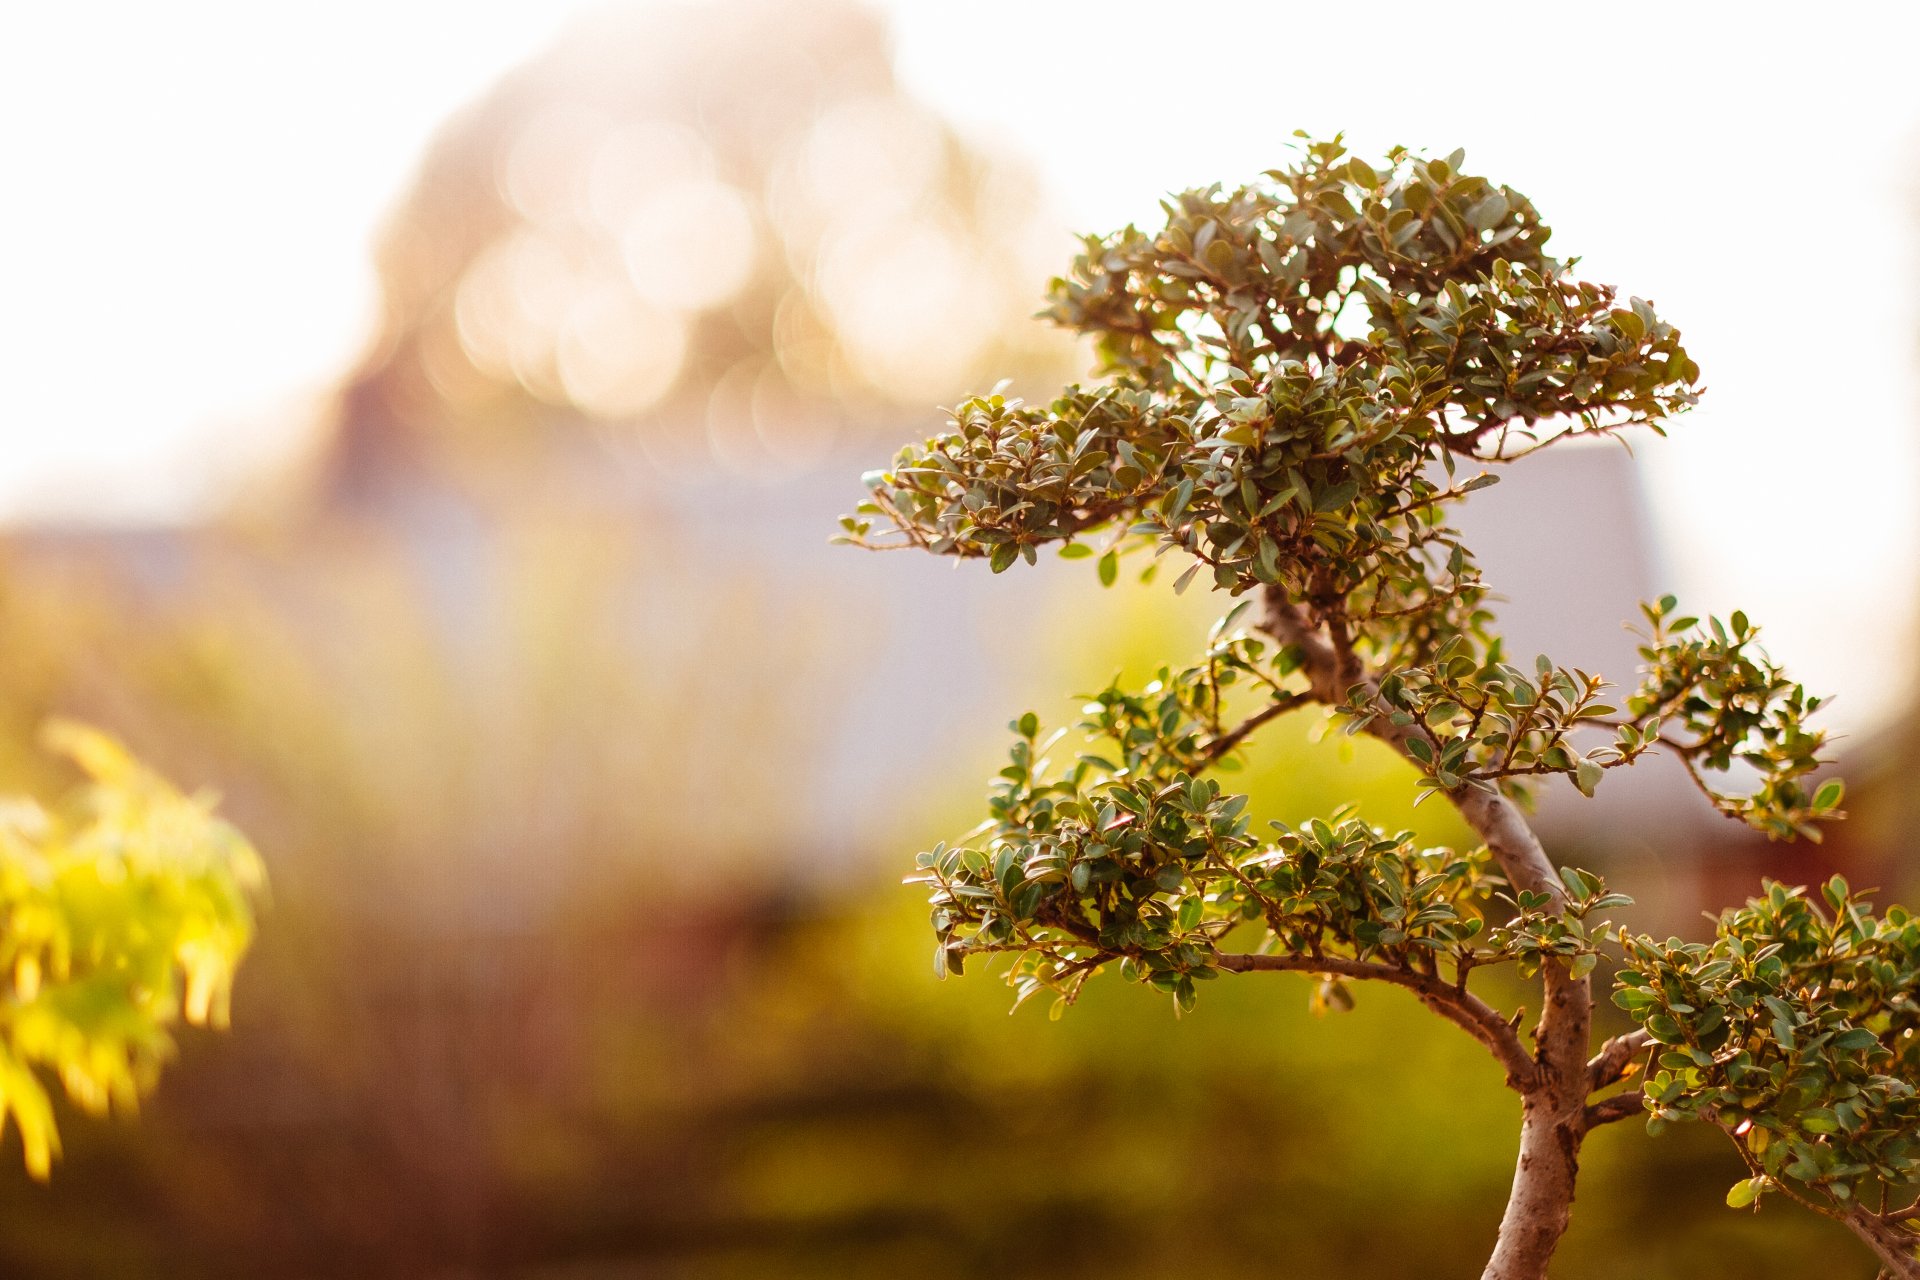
680,234
1299,367
127,908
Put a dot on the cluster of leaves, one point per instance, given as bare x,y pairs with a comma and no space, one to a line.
1344,888
1448,270
1797,1030
1467,717
127,908
1179,720
1087,867
1304,480
1265,270
1007,478
1706,695
1539,930
1247,426
1131,855
1735,705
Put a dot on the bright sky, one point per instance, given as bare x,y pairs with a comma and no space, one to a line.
192,192
193,189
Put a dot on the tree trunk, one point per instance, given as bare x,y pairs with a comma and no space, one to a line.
1542,1197
1553,1124
1553,1116
1553,1119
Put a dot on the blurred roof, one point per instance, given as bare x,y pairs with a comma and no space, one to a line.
1579,611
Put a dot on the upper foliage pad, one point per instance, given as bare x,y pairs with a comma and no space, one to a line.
1288,360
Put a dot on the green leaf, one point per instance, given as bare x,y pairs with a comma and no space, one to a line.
1269,559
1274,503
1191,907
1745,1192
1109,569
1629,324
1336,498
1489,213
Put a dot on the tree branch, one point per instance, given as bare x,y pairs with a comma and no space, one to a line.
1283,620
1611,1064
1620,1106
1893,1245
1459,1006
1495,818
1226,742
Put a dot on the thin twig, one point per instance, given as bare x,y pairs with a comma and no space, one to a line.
1226,742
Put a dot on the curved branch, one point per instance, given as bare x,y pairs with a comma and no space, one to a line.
1283,620
1621,1106
1456,1004
1498,821
1553,1121
1615,1058
1226,742
1893,1245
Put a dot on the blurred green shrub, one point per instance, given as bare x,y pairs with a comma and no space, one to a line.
127,907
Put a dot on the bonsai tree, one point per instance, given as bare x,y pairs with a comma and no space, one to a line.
1302,376
126,908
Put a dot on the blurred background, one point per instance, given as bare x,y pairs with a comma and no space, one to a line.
422,424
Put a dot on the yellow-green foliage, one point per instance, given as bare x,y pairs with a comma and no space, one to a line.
126,907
